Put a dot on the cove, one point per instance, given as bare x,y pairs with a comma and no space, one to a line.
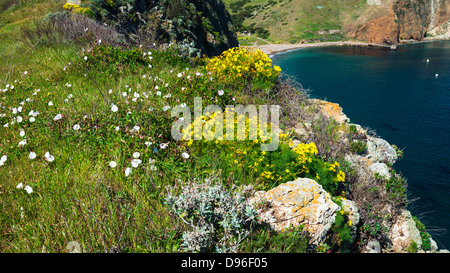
396,94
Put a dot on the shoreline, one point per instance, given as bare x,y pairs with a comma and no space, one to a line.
273,49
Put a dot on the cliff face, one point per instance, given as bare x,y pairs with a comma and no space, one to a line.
398,20
199,27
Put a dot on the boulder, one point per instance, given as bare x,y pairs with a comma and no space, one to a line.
299,202
380,168
403,232
379,150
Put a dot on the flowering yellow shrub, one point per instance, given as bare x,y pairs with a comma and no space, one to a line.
239,62
76,8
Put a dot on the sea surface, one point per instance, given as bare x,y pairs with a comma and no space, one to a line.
397,94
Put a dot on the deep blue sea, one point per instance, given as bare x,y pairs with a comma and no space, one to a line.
396,94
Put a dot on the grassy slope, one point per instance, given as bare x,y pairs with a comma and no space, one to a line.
78,196
297,20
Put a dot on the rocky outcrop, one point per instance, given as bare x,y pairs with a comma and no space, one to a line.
299,202
382,30
395,20
404,232
197,27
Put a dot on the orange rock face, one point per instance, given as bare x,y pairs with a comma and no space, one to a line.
383,30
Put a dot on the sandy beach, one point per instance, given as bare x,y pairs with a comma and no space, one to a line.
271,49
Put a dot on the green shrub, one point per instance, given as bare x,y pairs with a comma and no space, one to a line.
358,147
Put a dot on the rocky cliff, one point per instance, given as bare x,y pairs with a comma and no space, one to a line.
198,27
392,21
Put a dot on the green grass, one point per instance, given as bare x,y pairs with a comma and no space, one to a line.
296,20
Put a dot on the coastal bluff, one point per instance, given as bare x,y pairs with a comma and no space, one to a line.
303,202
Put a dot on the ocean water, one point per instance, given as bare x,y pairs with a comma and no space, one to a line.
396,94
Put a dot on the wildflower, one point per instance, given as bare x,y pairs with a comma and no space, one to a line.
136,155
19,119
117,128
135,129
57,117
50,103
112,164
124,94
163,146
76,127
148,143
28,189
135,163
179,75
185,155
19,186
153,168
22,133
32,119
127,172
220,92
165,108
85,58
22,143
49,157
114,108
158,93
32,155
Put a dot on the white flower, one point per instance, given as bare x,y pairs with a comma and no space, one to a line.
32,119
49,157
158,93
183,105
22,133
114,108
57,117
85,58
112,164
148,143
76,127
26,72
135,163
163,146
50,103
19,109
32,155
179,75
135,129
151,161
153,168
124,94
22,143
136,155
165,108
70,96
117,128
19,119
156,87
19,186
127,171
185,155
220,92
136,95
99,41
28,189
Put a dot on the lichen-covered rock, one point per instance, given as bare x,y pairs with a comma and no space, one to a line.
380,151
404,232
380,169
299,202
349,207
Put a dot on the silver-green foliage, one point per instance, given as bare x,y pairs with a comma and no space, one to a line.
219,219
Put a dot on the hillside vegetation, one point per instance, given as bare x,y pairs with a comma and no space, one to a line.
88,161
296,20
